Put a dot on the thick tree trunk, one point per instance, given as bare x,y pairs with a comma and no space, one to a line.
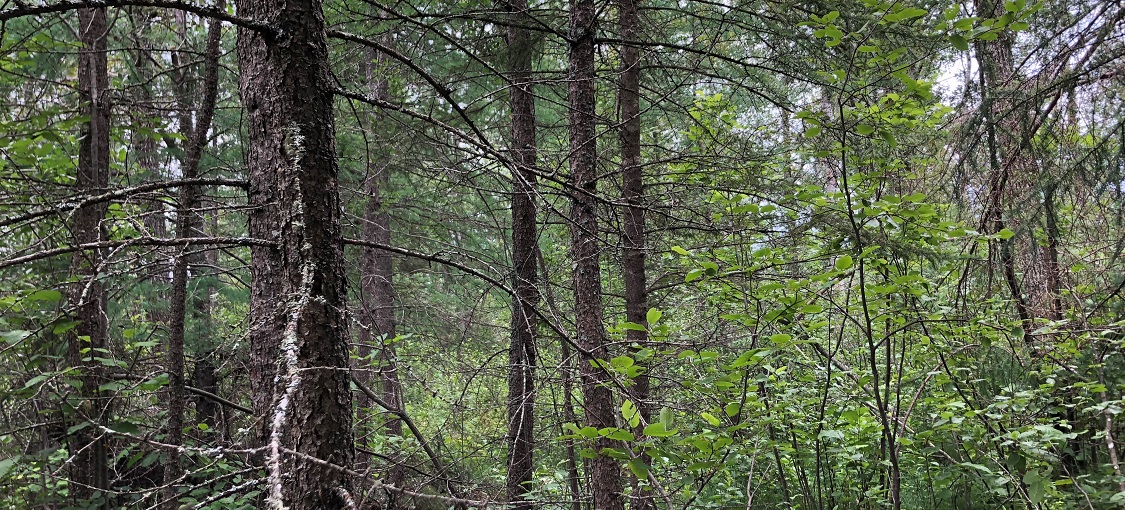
633,223
300,333
522,353
89,470
189,223
600,411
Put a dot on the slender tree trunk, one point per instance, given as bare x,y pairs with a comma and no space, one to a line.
600,411
188,224
573,479
89,470
633,223
1007,161
377,272
522,354
291,157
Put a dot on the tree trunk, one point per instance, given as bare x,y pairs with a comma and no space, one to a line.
377,284
299,312
89,473
600,411
189,223
522,353
633,223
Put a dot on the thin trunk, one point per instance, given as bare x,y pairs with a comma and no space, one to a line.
300,324
376,279
188,224
633,224
206,376
591,337
89,472
522,354
569,416
1009,166
1053,270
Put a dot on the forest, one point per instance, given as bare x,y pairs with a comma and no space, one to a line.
581,255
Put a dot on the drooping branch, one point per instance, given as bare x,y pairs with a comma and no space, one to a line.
205,11
117,194
136,241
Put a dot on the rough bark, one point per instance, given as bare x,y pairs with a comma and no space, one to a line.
522,352
89,473
189,224
633,222
299,331
605,479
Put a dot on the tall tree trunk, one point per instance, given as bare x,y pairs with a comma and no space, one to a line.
600,411
189,223
522,353
291,157
377,283
89,470
633,223
1010,168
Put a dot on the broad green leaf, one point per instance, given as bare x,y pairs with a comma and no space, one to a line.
657,430
959,42
639,468
631,413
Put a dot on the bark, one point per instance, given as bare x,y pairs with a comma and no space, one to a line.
299,331
633,224
1012,170
600,412
377,284
569,416
522,353
89,473
189,224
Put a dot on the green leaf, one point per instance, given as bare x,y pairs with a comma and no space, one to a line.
830,17
6,465
781,338
667,417
1005,234
653,316
13,337
844,263
631,413
680,250
959,42
812,131
631,326
906,14
620,435
889,138
124,427
615,453
639,468
812,309
864,129
45,295
710,419
657,430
